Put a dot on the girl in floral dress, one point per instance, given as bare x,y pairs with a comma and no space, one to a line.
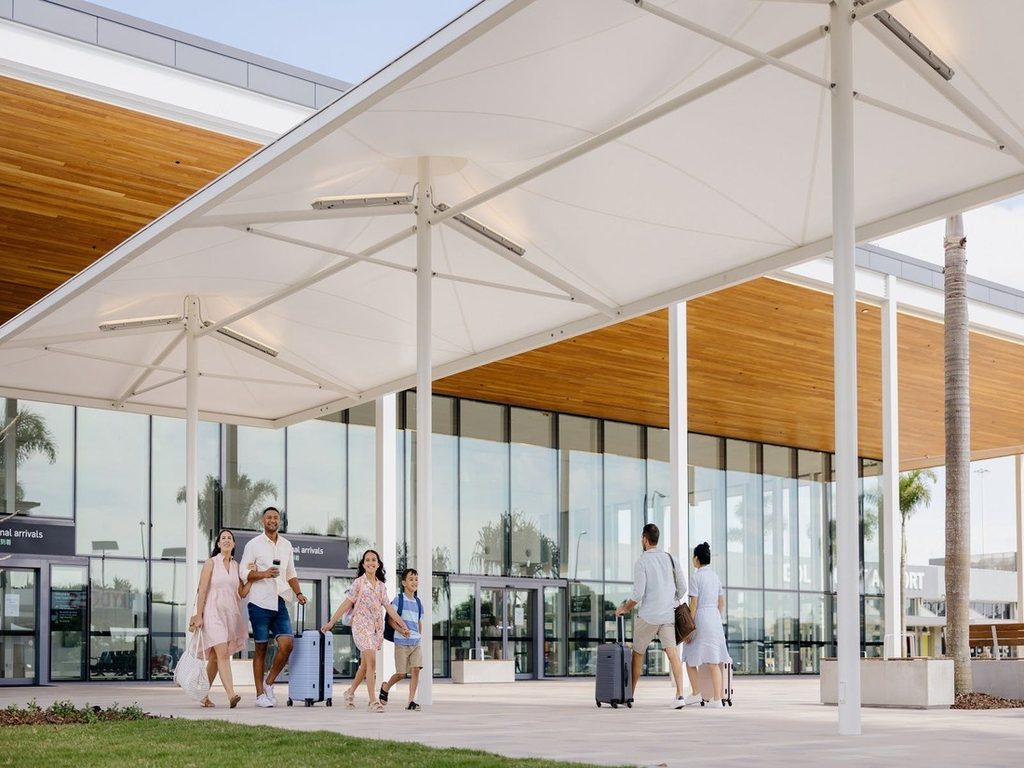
366,597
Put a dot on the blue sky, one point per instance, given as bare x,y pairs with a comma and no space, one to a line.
352,39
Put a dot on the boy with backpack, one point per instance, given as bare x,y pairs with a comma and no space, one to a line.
408,655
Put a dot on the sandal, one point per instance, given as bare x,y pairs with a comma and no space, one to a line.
383,695
414,706
375,706
207,703
350,700
233,701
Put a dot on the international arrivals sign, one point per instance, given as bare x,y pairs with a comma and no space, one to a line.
23,536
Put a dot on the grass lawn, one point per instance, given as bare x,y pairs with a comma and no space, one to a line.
181,743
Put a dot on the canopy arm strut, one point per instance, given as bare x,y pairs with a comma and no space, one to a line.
323,274
141,378
502,286
594,142
574,293
940,84
40,342
907,114
767,58
114,360
288,217
324,382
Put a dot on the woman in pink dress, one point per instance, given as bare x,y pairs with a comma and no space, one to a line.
366,597
219,614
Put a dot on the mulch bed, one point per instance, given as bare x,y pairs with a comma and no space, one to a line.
984,701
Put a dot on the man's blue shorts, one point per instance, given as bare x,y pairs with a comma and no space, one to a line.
264,622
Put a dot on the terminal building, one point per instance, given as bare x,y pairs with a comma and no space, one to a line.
546,464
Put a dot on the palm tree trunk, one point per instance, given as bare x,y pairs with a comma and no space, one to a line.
958,456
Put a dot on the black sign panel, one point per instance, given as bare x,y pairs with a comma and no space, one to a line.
24,536
326,553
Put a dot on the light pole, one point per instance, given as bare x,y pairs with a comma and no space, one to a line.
576,568
981,472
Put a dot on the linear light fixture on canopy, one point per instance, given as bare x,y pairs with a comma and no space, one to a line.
247,340
361,201
912,42
482,229
140,322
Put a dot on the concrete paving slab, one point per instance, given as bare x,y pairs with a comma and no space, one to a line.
775,721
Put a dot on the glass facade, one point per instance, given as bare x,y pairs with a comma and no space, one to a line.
550,504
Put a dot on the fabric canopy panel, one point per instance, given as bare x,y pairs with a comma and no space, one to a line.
707,164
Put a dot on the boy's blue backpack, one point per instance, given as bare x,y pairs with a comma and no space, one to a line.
389,630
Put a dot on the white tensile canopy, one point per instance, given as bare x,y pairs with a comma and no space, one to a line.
614,157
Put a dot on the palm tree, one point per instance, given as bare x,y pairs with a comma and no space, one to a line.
915,492
31,437
958,456
248,499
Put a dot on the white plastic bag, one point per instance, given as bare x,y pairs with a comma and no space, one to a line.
190,671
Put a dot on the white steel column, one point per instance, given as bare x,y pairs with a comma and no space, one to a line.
891,539
845,324
678,426
387,509
192,325
1018,460
424,423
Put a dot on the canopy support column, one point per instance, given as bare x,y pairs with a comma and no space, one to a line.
892,541
387,507
1018,462
845,325
424,423
678,421
192,326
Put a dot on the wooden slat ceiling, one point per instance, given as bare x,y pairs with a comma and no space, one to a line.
78,176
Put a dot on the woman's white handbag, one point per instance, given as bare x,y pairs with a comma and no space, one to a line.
190,671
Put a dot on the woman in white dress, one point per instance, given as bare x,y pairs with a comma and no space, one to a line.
706,646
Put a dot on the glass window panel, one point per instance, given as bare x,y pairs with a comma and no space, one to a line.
745,540
255,475
781,633
707,492
362,490
659,484
69,596
811,467
534,489
554,632
346,655
745,630
112,483
780,518
581,481
42,452
625,488
169,619
874,626
444,481
441,632
483,488
463,641
815,633
119,622
316,477
168,486
871,504
18,650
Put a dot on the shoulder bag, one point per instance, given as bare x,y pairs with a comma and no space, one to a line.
685,625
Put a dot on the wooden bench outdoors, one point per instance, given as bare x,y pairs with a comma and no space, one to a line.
996,635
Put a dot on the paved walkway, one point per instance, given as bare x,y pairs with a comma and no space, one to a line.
775,721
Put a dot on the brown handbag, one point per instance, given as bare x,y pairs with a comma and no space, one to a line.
685,625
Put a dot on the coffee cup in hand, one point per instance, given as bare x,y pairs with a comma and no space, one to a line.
275,566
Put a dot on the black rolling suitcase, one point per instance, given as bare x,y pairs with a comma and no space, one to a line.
614,670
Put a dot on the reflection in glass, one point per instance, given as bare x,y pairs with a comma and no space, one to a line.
463,640
41,449
69,596
169,619
168,485
118,619
743,514
587,626
811,474
483,487
874,626
316,476
580,460
815,634
870,507
112,483
554,632
18,625
781,633
362,483
346,655
624,498
534,484
254,459
780,518
441,631
707,493
745,629
444,448
659,484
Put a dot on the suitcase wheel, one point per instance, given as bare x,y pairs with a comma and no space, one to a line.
329,702
309,702
730,702
598,703
629,704
289,702
614,705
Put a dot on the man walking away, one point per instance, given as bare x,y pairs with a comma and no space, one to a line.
658,585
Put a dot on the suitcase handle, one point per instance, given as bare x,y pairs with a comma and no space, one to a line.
620,628
300,618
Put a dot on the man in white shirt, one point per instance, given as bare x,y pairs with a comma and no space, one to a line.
658,586
273,581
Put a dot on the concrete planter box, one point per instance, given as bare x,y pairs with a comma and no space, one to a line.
999,677
483,671
901,683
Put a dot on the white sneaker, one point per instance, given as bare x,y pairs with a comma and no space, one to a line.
268,691
693,700
715,705
678,703
263,701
